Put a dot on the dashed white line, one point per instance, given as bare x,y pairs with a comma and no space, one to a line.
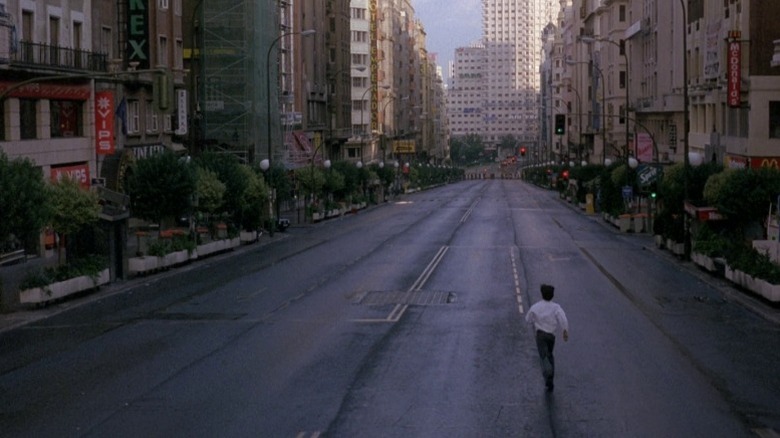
518,291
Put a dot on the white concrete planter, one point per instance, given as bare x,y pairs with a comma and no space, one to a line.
675,247
756,285
704,261
174,258
63,288
218,246
247,236
315,217
659,241
639,223
144,264
624,223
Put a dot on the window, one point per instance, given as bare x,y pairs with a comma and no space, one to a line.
65,117
167,122
106,42
622,13
152,121
133,117
622,79
28,118
54,40
54,31
178,56
163,4
77,34
774,119
27,25
358,13
359,36
162,51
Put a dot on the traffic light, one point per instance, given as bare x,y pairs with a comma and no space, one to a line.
565,174
522,151
560,124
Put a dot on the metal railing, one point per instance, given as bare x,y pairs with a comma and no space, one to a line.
36,54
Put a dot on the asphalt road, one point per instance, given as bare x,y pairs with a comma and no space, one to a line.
405,320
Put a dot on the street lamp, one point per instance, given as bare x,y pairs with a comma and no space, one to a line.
686,129
579,122
624,49
268,101
336,90
362,111
603,107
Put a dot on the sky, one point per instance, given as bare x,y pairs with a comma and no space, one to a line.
449,24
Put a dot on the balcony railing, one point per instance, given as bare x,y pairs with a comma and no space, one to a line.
45,55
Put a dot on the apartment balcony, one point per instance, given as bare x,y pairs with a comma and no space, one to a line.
35,55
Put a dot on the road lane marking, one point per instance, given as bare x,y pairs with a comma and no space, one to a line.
518,291
399,309
469,211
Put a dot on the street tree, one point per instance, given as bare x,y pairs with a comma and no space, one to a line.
73,208
23,197
161,187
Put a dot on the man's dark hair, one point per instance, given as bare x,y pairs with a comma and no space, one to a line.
547,292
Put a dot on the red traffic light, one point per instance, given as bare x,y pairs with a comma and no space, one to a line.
522,151
565,174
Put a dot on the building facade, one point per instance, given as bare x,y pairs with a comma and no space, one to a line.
645,68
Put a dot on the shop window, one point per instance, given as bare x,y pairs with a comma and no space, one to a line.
65,118
28,119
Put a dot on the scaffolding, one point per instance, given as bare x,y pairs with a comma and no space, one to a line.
232,89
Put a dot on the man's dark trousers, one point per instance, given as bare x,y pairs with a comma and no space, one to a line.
545,342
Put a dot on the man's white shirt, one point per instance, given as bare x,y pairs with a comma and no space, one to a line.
547,316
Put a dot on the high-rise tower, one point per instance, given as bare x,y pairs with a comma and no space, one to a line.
512,35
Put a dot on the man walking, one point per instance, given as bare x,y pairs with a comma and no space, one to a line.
547,318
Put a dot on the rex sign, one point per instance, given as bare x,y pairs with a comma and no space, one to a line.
138,32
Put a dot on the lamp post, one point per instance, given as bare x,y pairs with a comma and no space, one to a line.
362,111
579,122
384,110
624,48
336,89
603,107
686,129
268,102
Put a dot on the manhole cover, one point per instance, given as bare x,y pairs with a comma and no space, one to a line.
416,298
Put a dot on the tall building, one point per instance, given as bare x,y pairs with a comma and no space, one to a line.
465,94
495,84
512,32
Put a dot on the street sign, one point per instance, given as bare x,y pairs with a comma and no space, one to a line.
648,174
628,192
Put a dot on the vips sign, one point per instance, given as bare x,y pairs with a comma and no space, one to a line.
78,173
104,122
734,69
